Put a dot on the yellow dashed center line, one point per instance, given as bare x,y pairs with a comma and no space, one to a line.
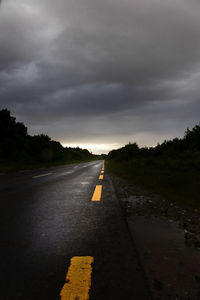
78,279
97,193
100,176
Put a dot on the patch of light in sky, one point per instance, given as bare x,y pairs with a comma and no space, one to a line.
95,148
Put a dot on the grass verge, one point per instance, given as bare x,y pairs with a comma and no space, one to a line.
175,179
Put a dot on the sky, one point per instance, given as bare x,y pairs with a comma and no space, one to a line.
101,73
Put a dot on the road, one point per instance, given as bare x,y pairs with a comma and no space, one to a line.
47,217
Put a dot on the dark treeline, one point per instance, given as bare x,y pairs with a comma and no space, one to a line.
186,146
171,168
16,145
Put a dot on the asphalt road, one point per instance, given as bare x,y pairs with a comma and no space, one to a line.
46,220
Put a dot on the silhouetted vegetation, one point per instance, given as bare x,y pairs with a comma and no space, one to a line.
18,149
171,168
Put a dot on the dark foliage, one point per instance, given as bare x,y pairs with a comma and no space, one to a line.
17,145
188,145
171,168
12,136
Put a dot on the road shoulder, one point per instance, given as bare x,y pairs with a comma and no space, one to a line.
167,239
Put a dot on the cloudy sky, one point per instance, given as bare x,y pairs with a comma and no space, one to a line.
101,73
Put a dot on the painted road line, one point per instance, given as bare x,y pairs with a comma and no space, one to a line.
97,193
42,175
100,176
78,279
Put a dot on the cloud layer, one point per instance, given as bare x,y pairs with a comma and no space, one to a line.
101,72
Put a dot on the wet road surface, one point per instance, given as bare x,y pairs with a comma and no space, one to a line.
47,217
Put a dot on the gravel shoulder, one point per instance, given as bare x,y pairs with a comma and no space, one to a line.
167,237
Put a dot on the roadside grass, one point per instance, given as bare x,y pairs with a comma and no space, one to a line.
177,178
9,167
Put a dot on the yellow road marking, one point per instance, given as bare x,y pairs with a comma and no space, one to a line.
100,176
97,193
78,279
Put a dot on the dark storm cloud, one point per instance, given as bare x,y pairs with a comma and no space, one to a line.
95,71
